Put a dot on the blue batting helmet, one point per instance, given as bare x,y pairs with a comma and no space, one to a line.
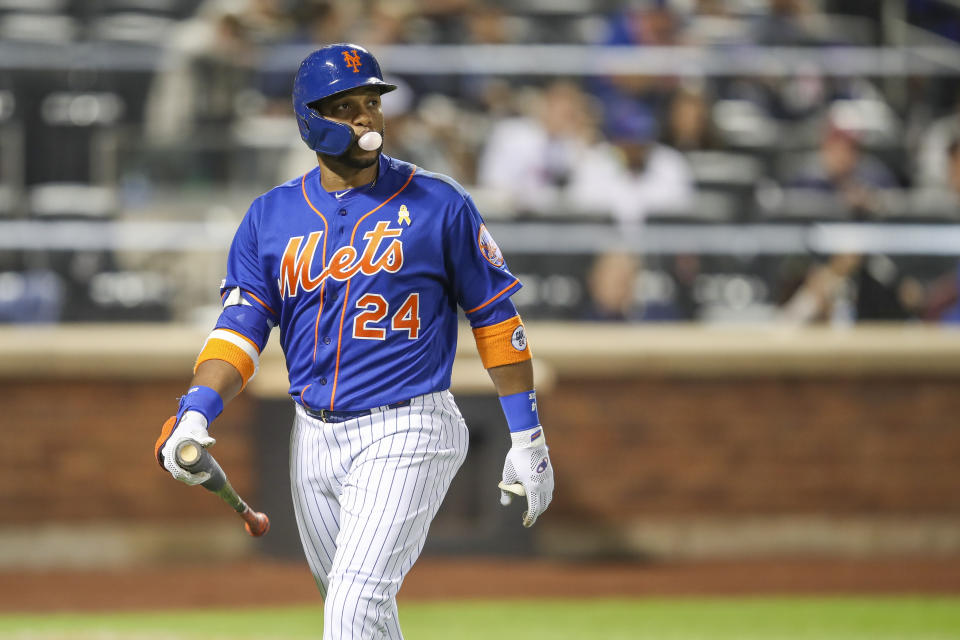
325,72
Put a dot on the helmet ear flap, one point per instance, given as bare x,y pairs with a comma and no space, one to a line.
322,135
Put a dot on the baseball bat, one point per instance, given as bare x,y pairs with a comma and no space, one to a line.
194,458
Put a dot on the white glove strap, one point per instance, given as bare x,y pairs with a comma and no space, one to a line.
529,438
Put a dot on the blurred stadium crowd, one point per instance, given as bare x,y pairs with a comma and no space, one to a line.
170,111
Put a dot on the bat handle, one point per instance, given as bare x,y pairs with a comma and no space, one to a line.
191,456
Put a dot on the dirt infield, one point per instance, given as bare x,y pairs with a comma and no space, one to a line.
272,583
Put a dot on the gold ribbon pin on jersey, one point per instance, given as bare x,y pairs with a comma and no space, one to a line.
403,215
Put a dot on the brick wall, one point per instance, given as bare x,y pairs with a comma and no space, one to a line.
628,449
623,449
82,451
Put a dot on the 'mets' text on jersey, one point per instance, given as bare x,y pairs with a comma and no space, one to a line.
364,285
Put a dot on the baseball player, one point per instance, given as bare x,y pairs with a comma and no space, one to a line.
362,263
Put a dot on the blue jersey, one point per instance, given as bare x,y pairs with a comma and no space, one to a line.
365,284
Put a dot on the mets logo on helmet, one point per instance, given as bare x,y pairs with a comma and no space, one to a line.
489,248
352,60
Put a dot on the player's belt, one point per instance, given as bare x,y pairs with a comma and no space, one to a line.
326,415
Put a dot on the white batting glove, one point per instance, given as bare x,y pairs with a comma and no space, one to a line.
527,472
192,426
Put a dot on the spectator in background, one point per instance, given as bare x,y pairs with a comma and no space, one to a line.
851,287
841,168
530,159
942,301
642,23
318,22
323,21
712,22
209,60
649,23
824,294
794,96
485,24
383,23
31,296
953,168
268,21
223,70
933,160
442,21
787,24
633,175
614,290
713,8
689,126
854,288
430,134
612,286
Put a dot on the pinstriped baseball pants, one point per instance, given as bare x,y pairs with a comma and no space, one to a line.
364,494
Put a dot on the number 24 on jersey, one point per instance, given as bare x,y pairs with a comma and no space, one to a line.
376,308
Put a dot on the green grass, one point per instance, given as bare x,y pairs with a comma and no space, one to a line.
840,618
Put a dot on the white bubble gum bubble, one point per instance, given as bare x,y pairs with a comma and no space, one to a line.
370,140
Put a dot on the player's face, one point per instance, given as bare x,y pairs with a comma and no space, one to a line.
360,110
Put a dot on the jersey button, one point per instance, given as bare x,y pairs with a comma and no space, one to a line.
342,212
323,381
326,340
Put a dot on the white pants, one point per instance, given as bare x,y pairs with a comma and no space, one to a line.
364,493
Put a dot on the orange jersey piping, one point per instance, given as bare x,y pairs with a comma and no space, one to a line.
323,265
346,293
302,391
265,305
507,288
